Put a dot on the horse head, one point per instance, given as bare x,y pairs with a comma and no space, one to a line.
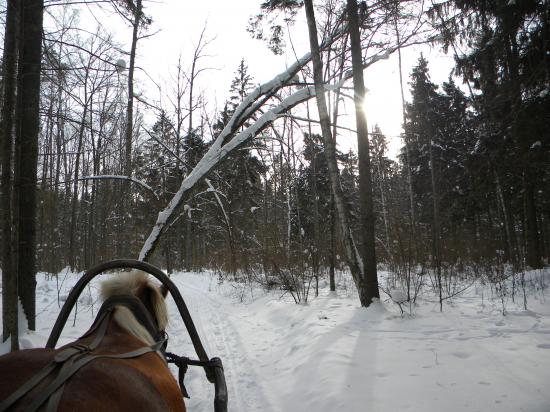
139,305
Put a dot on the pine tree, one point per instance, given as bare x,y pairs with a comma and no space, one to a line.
508,62
239,179
424,129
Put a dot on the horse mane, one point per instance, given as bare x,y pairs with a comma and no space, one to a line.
136,283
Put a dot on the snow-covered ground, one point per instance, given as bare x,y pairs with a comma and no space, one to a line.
333,355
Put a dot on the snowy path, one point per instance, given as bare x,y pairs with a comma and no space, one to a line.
331,355
221,338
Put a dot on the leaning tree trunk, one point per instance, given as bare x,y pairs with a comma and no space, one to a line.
365,177
29,91
9,275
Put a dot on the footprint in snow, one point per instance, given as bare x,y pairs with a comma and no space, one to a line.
544,346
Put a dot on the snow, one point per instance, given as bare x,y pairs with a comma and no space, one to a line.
398,296
333,355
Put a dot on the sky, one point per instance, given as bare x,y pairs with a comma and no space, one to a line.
177,26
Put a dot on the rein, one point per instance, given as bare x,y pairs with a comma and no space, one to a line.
183,362
71,359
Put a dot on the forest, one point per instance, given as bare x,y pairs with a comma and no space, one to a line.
260,189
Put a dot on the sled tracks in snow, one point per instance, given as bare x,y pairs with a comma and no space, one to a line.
244,383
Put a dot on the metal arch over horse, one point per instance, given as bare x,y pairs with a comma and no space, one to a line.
119,363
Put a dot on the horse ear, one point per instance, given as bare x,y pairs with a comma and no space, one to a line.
153,298
163,291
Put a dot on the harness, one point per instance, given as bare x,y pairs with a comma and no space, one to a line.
70,360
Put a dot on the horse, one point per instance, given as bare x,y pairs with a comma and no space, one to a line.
118,364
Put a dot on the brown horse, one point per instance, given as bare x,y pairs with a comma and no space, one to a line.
118,365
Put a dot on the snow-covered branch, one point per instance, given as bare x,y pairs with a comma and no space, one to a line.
227,140
213,157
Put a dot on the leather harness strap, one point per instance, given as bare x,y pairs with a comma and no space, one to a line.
71,359
58,360
71,370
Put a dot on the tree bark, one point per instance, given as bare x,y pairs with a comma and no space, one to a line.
365,175
29,91
9,274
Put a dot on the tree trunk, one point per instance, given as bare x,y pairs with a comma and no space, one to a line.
352,255
29,91
335,111
533,252
125,239
128,132
412,246
510,234
365,176
9,274
436,231
74,200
